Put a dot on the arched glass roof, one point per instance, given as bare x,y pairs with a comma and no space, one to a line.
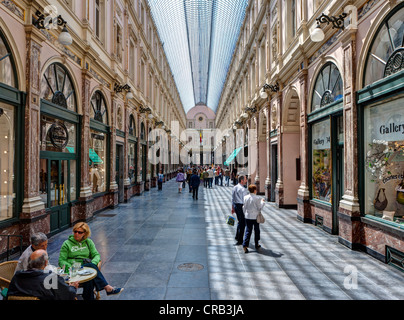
199,37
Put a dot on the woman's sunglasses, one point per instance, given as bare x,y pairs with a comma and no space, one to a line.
79,232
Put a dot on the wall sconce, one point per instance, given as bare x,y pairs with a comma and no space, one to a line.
144,110
159,123
48,23
273,88
119,88
337,23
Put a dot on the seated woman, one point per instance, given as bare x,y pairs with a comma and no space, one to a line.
80,248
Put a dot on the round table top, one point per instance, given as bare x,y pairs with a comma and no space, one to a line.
92,273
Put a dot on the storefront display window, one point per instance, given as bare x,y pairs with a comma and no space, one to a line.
321,161
98,154
384,160
57,135
132,163
7,157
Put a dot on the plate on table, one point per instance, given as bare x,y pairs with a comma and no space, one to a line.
85,272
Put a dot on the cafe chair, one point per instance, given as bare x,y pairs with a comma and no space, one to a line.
7,270
22,298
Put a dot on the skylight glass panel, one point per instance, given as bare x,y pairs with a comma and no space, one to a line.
199,38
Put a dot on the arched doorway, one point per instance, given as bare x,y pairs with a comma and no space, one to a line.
59,147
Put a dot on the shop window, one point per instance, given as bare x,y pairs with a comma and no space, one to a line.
7,157
57,87
384,161
386,55
328,87
132,162
321,161
57,135
98,152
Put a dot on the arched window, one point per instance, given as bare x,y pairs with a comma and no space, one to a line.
132,125
98,110
386,55
328,87
57,87
142,132
7,65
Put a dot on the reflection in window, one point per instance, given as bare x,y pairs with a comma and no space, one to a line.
57,87
57,133
328,87
387,53
7,149
98,156
384,161
7,75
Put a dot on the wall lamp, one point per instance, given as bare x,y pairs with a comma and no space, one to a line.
144,110
337,23
119,88
273,88
48,23
159,123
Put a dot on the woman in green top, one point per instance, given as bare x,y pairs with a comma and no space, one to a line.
80,248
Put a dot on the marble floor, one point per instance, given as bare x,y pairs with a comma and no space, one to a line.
163,245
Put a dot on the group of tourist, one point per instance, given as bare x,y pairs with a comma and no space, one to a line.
35,277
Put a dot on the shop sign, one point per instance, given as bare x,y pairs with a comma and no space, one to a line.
59,136
321,136
387,124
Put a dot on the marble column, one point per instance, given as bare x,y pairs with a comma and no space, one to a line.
303,194
32,216
349,211
113,186
267,114
279,183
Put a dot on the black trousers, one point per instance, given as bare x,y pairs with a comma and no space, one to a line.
195,192
240,224
250,225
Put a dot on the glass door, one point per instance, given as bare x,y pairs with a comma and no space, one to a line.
55,190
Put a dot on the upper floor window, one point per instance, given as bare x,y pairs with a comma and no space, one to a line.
132,126
328,87
386,55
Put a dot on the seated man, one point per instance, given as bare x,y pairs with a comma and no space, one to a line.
36,282
39,240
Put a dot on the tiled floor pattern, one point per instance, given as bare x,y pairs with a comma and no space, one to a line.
144,241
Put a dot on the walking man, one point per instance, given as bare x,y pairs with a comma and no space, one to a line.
194,183
239,191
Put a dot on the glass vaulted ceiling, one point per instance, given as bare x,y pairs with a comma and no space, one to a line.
199,37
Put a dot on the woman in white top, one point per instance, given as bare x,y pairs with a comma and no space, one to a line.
252,206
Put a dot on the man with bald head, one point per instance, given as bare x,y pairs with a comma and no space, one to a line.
38,283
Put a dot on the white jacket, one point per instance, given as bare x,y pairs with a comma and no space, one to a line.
252,206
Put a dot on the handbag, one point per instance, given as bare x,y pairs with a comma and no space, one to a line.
230,220
400,193
260,218
380,205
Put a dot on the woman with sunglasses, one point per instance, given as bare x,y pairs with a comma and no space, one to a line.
80,248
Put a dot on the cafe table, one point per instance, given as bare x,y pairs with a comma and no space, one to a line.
83,275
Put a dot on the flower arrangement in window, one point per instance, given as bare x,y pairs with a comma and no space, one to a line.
379,159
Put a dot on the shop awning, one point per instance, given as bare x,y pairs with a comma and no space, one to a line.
94,157
232,156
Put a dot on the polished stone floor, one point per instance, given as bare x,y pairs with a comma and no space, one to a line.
144,243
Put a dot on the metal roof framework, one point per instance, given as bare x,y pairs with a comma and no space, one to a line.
199,38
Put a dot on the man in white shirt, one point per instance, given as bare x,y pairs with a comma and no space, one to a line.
211,175
239,191
39,241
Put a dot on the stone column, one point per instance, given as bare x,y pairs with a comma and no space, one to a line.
257,153
126,181
303,194
349,211
279,183
33,218
267,114
113,186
